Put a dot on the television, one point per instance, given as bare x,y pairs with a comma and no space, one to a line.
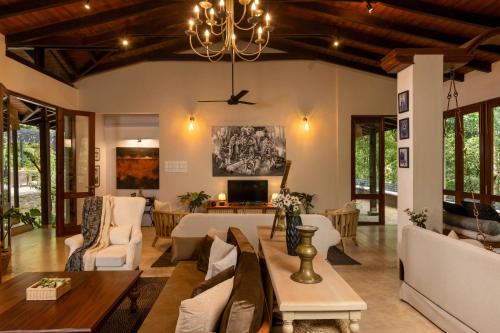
247,191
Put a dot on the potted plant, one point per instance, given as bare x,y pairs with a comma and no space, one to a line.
291,205
418,218
306,200
193,199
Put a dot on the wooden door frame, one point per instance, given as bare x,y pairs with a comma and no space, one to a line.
381,175
62,229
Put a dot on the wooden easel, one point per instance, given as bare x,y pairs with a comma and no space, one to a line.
283,189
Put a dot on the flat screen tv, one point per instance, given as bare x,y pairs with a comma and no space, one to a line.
247,191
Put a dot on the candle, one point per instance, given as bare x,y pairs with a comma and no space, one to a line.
268,20
212,13
197,11
259,33
253,8
221,4
233,37
191,24
207,36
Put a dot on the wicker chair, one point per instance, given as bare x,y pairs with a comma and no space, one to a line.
165,222
345,222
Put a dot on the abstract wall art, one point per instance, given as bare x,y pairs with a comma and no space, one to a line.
137,168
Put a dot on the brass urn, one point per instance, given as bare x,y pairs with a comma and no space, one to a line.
306,251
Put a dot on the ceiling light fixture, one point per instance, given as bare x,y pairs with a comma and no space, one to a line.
215,29
87,4
369,6
336,43
125,42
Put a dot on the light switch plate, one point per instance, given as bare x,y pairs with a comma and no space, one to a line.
176,166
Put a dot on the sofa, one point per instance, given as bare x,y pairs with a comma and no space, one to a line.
451,282
197,225
124,256
247,280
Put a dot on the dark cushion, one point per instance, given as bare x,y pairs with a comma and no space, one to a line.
486,212
203,253
185,248
244,311
215,280
454,208
236,237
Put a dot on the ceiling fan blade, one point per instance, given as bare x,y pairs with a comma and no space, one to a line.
244,102
241,94
212,101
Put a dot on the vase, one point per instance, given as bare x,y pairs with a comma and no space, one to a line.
306,251
292,234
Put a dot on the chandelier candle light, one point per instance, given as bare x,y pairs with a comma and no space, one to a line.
216,25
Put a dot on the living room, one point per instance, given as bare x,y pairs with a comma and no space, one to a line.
345,109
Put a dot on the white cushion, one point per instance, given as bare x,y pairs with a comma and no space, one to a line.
221,233
112,256
453,235
201,313
163,206
226,262
218,251
120,235
474,242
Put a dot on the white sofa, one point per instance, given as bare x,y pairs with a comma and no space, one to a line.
197,225
127,211
451,282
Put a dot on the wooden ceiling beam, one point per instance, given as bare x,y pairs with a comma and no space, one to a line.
65,63
90,20
29,6
442,12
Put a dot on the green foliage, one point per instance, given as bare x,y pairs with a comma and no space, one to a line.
391,157
31,217
306,200
193,199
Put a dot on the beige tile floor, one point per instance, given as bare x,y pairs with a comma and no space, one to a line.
376,280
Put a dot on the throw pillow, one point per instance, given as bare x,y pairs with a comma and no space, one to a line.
202,313
228,261
486,212
203,253
218,251
185,248
163,206
215,280
120,235
453,235
222,234
454,208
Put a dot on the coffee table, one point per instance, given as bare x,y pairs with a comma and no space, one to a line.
332,298
93,296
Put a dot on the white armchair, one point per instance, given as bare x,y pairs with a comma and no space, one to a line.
116,257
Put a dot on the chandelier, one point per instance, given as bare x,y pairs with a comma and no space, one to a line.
214,30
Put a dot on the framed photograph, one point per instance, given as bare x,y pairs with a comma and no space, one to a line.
404,128
97,176
404,157
97,154
404,101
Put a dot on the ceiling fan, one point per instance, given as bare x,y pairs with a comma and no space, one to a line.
233,99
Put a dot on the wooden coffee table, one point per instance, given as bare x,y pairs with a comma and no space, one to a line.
93,296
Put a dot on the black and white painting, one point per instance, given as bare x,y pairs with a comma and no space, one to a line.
248,151
404,157
404,129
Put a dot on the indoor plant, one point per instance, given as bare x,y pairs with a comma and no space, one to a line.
193,199
291,205
418,218
306,200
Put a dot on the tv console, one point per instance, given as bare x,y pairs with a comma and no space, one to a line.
233,208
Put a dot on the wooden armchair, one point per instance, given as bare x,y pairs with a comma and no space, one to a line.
345,222
165,222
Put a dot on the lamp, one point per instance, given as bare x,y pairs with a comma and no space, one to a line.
222,199
305,120
191,123
274,196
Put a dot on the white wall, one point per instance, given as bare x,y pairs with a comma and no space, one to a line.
284,91
27,81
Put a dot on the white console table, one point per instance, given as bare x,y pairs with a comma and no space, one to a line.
332,298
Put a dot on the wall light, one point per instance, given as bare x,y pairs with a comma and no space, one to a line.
139,140
191,123
305,120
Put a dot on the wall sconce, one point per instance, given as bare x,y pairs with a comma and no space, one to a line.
305,120
191,123
222,199
139,140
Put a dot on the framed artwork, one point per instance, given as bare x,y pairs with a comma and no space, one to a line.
404,157
137,168
248,151
404,101
97,154
97,176
404,128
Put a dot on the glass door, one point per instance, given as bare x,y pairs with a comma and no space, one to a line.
75,167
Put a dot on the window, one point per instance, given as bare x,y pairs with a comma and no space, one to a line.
449,154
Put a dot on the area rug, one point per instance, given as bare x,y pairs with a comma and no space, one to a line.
165,260
337,257
122,320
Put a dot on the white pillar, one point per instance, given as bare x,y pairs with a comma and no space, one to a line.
420,185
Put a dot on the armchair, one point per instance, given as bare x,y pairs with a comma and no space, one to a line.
116,257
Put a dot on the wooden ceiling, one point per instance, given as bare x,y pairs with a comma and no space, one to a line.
63,39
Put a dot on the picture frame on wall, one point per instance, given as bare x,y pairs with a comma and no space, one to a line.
97,176
404,101
97,154
404,157
404,128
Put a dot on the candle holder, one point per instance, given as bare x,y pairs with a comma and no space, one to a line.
306,251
